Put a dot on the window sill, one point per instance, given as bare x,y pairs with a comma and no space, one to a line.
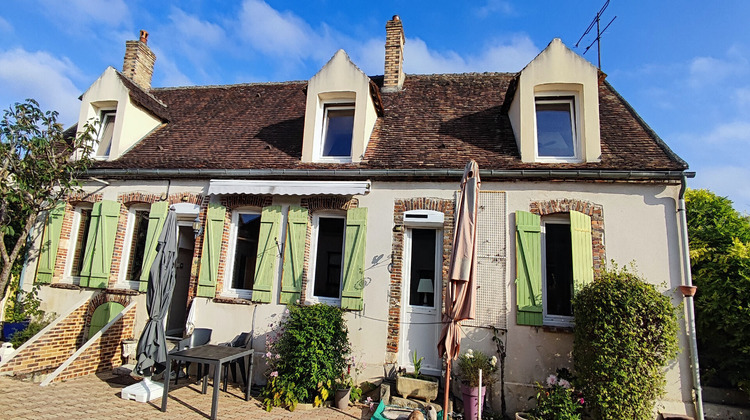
233,300
557,329
67,286
121,291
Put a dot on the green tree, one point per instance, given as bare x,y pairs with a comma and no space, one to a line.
40,165
720,262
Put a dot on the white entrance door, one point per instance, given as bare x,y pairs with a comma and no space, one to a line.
421,305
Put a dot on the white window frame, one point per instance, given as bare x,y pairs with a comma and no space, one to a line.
338,104
573,100
122,280
104,116
438,269
228,290
68,276
552,320
315,230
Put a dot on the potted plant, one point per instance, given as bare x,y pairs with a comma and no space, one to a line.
416,385
556,399
469,365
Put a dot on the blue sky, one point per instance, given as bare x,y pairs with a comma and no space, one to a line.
683,65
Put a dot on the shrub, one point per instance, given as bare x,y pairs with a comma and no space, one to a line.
720,262
625,333
305,356
469,364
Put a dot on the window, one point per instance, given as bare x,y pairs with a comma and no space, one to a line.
423,264
106,132
554,258
338,126
327,256
79,237
557,269
135,246
244,240
556,131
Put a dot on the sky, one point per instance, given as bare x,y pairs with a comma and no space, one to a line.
683,65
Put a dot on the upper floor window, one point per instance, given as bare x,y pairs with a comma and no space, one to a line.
243,253
556,127
327,256
338,126
106,132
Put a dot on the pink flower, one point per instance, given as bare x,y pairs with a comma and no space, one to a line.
268,355
580,400
551,380
274,374
563,383
278,356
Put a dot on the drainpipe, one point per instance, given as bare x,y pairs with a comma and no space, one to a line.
688,291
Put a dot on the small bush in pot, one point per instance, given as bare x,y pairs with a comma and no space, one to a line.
625,333
557,399
469,365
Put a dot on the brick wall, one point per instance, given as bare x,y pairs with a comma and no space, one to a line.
393,77
447,207
59,343
138,64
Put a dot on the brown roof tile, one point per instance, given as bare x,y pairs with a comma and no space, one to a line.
436,121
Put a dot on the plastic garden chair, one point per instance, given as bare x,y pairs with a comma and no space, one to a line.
199,337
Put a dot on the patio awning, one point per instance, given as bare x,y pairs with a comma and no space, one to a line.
238,186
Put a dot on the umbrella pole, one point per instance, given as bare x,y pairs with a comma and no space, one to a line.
447,384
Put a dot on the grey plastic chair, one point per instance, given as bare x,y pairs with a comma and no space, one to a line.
243,340
199,337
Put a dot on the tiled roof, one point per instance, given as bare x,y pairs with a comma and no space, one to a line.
436,121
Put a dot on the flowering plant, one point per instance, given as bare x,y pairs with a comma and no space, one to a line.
557,399
471,362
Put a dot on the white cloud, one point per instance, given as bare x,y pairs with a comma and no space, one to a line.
497,57
40,76
5,26
168,73
730,132
742,96
726,181
711,70
72,13
494,7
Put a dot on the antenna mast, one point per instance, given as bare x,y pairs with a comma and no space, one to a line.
599,34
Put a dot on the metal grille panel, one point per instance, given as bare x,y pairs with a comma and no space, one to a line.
492,307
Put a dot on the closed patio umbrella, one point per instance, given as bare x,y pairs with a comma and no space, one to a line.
152,346
460,296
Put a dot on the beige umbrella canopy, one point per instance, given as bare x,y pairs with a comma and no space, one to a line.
460,296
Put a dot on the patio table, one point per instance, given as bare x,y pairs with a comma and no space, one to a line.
210,354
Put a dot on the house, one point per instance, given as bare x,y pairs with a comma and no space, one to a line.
341,190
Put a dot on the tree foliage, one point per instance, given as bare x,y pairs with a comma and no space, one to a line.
720,263
39,166
625,333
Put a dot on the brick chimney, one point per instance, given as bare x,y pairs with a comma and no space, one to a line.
393,78
138,65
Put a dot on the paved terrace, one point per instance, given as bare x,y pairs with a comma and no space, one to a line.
98,397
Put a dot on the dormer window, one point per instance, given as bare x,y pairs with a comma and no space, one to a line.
106,132
338,127
557,136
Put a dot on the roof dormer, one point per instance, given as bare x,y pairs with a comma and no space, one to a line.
555,109
125,110
340,113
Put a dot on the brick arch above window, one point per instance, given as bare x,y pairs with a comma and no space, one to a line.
593,210
317,203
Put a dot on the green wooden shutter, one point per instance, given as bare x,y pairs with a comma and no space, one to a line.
583,257
212,239
528,269
294,254
50,242
268,251
354,259
100,244
156,216
102,316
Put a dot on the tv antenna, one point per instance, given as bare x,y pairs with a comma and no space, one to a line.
599,34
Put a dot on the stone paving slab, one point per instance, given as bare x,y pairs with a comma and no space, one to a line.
98,397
